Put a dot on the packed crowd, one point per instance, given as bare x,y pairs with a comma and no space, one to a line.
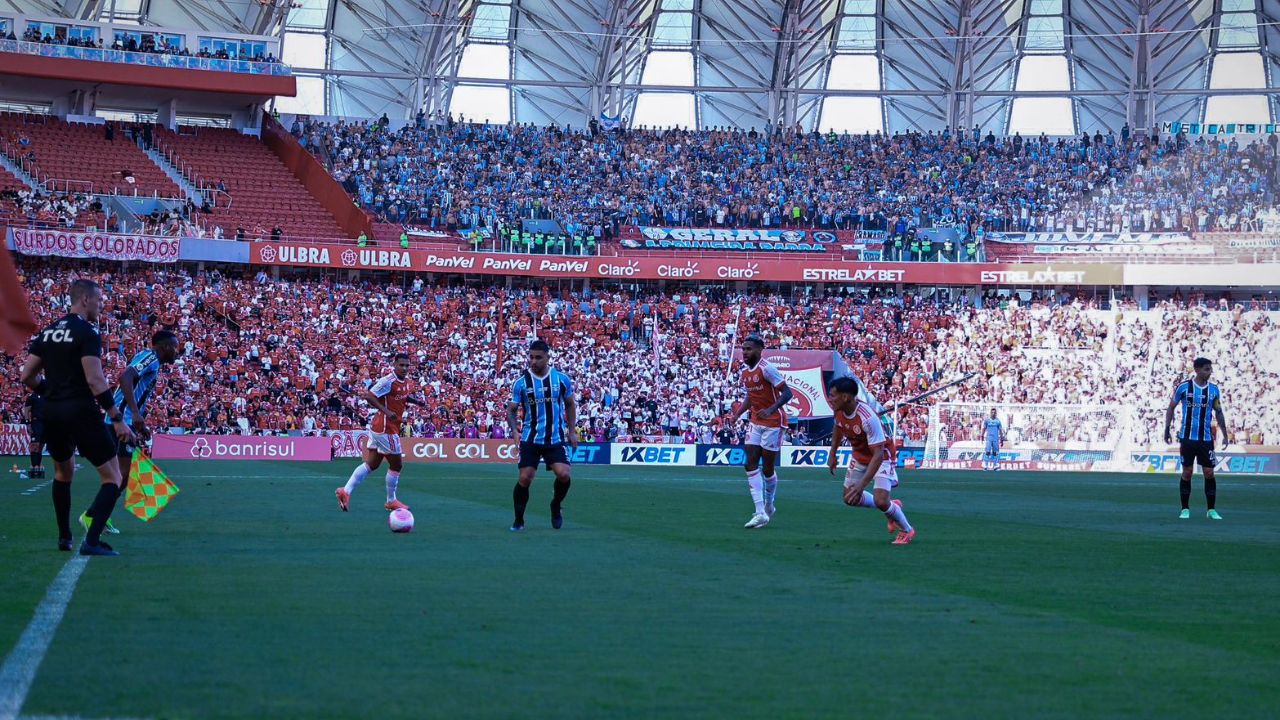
448,175
290,355
1079,355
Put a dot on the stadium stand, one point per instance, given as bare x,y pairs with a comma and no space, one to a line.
261,191
268,356
79,157
450,175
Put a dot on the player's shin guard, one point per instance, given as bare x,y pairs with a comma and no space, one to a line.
393,482
559,491
62,507
770,489
101,511
357,476
520,496
1184,490
1210,491
755,482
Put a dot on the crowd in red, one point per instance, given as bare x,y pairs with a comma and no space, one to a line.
263,355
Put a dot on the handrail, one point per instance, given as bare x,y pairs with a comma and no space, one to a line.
189,62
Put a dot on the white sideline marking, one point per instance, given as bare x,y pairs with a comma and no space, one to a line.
67,717
33,490
19,669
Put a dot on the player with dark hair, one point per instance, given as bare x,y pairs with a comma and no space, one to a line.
767,395
549,421
68,354
137,382
33,413
1198,397
388,396
873,458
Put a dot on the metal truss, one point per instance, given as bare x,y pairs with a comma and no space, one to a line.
943,62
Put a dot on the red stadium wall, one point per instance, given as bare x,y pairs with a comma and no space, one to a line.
93,71
316,179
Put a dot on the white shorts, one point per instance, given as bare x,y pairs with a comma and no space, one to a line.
886,477
384,444
769,438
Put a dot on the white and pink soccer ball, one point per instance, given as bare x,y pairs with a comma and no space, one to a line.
400,521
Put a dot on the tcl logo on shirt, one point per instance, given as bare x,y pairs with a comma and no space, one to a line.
58,336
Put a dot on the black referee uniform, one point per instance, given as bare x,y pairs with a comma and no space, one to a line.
73,420
35,426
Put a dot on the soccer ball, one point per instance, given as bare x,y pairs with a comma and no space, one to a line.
400,521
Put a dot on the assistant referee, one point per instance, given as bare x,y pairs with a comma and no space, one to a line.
68,354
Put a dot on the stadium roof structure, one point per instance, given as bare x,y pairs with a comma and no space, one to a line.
1059,66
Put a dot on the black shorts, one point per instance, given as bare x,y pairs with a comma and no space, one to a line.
1200,451
531,454
71,426
37,432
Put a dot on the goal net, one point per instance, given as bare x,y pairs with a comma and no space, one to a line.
1037,437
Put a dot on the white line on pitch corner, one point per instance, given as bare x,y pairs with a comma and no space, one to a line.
19,669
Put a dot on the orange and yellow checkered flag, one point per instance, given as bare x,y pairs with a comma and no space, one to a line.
150,490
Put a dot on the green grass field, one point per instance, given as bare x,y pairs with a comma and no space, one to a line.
1024,596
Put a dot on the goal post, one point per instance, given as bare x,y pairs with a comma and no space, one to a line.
1038,437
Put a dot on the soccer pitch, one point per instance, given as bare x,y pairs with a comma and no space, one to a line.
1023,596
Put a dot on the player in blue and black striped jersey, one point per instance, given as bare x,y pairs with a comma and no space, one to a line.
549,422
134,389
1198,398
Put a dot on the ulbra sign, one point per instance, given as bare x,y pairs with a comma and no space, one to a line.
236,447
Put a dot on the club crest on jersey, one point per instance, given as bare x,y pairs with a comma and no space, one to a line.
857,429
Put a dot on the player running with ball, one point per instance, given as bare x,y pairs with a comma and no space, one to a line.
767,394
388,396
873,460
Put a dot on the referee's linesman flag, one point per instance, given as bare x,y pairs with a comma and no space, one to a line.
150,490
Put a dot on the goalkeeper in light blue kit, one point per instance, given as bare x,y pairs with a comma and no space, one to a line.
993,431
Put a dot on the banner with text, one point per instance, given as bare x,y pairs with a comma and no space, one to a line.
107,246
454,450
744,239
239,447
710,269
1090,238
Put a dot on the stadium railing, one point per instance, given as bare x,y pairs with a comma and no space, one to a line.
181,62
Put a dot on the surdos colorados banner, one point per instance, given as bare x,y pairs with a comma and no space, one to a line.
107,246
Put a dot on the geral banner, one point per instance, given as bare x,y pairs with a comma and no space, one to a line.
107,246
711,269
500,452
239,447
746,239
1091,238
14,439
